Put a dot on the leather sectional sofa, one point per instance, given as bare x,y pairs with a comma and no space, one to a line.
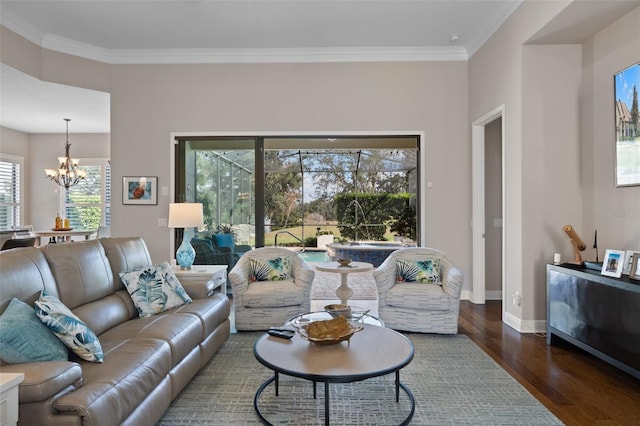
147,360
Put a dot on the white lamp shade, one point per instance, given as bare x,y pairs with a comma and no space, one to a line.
185,215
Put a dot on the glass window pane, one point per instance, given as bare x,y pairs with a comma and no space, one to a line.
10,192
87,204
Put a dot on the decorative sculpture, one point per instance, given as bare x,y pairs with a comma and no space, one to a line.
576,242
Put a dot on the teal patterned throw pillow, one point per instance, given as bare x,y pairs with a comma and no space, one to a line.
419,271
277,269
154,289
69,328
24,338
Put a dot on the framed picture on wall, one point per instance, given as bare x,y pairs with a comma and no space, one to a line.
613,263
627,124
140,190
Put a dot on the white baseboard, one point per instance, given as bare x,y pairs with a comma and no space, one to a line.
489,295
530,326
493,295
522,326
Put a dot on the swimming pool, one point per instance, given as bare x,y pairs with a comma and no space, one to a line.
315,256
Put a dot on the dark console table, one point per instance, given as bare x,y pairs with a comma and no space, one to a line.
599,314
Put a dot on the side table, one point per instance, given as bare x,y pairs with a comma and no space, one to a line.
9,397
344,292
214,275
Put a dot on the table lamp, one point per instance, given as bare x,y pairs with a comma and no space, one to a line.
185,215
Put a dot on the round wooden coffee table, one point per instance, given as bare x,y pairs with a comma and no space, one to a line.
361,358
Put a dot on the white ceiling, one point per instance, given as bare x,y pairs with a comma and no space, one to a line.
123,31
33,106
199,31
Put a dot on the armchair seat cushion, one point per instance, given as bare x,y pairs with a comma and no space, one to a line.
272,294
419,296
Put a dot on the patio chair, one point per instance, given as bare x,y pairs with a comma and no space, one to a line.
419,290
270,285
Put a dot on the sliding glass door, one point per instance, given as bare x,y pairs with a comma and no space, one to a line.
289,190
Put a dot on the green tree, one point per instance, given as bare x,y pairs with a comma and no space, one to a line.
283,196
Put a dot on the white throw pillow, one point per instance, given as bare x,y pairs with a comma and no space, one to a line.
154,289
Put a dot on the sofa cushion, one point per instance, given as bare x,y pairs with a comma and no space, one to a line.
154,289
24,338
275,269
419,296
272,294
69,328
182,332
420,271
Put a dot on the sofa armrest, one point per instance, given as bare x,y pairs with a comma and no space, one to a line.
198,290
42,380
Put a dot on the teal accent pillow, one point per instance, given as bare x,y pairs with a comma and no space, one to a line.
23,338
419,271
154,289
277,269
73,332
223,240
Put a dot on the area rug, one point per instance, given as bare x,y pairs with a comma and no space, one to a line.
454,383
325,285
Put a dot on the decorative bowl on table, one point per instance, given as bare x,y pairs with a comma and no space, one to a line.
343,262
338,311
61,229
328,332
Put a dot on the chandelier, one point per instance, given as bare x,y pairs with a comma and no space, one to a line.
68,174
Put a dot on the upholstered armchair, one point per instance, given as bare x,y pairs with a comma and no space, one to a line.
269,285
419,290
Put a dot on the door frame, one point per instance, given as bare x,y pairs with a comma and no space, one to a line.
478,290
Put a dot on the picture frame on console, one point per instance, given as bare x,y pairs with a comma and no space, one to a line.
613,263
626,85
140,190
635,267
628,261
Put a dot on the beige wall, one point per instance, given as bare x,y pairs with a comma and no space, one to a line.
150,102
551,192
614,212
559,154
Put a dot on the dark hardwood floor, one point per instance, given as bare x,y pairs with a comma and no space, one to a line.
577,387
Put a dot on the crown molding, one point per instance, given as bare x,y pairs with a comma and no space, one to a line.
288,55
222,56
21,27
234,56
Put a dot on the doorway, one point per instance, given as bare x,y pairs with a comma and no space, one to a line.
489,221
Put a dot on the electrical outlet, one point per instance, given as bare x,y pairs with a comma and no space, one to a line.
517,299
162,222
